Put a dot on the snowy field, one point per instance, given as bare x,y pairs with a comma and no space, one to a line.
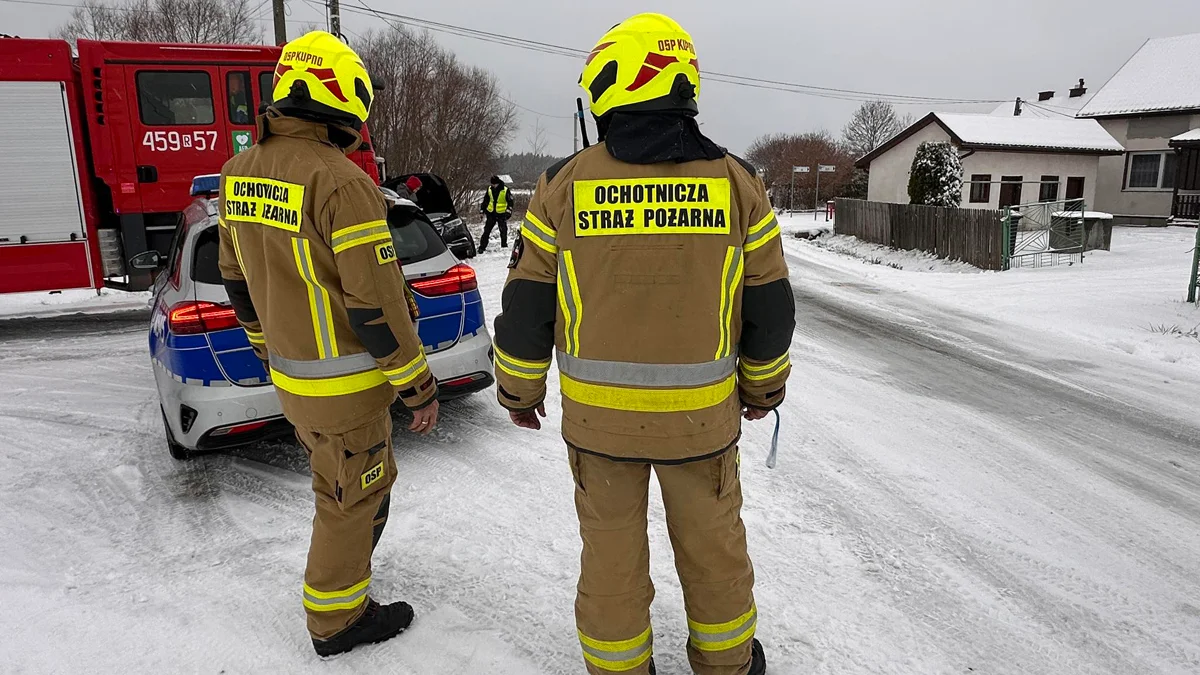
979,473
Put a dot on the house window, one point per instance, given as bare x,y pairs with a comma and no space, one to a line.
168,98
1049,192
1151,171
981,188
1010,190
1074,191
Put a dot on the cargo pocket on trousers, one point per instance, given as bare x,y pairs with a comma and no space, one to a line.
363,473
577,469
727,472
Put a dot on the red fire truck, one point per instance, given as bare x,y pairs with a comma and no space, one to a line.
98,151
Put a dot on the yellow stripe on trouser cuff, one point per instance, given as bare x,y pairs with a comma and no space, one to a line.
618,656
256,338
646,400
572,303
332,601
408,372
731,276
367,233
766,372
328,386
528,370
318,300
717,637
537,232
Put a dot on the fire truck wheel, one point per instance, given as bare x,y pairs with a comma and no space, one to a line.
177,451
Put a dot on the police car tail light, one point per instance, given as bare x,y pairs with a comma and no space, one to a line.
191,318
457,279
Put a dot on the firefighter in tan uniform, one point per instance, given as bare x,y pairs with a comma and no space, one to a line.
650,267
309,265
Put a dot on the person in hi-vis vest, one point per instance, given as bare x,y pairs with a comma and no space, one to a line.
496,208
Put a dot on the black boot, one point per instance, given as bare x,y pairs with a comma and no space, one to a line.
378,623
652,670
758,659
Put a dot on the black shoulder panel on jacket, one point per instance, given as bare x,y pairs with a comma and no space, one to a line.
750,168
557,167
768,320
525,326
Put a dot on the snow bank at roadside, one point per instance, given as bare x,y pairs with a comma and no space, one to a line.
79,301
1129,299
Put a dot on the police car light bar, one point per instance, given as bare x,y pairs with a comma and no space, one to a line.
208,184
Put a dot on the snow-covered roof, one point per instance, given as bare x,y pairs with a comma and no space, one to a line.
1029,132
1059,107
1193,135
1163,75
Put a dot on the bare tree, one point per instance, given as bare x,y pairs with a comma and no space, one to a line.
435,113
776,154
204,21
537,139
871,125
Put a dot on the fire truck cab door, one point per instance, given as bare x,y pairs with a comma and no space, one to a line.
179,130
242,100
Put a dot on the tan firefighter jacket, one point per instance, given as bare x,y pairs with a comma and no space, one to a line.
308,261
662,292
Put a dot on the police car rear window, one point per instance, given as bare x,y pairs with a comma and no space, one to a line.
205,269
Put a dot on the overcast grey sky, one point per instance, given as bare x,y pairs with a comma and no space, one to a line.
943,48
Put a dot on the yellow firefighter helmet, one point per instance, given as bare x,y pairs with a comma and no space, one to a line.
646,62
320,77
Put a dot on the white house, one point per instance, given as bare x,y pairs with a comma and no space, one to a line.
1006,160
1153,98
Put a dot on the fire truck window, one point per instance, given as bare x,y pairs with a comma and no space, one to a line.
237,90
266,87
167,98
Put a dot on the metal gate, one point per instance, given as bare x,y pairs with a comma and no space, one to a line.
1044,234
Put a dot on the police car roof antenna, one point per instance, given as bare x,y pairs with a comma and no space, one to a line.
582,122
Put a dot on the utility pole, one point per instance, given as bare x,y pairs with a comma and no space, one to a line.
280,27
575,127
335,18
1017,107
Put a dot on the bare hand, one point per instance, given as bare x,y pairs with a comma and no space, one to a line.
753,414
528,419
425,419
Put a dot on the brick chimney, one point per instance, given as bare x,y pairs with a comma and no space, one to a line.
1045,95
1080,90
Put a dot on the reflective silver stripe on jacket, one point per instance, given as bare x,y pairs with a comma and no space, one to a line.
622,373
323,368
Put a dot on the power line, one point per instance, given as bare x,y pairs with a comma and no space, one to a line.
536,112
739,80
1045,109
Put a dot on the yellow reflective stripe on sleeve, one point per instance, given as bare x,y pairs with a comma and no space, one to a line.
717,637
543,237
408,372
647,400
765,371
328,386
618,656
731,276
318,300
237,248
528,370
332,601
763,232
357,235
221,222
571,302
757,374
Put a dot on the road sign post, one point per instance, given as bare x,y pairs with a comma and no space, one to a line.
792,194
821,168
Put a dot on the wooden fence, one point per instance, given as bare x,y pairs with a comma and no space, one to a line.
974,236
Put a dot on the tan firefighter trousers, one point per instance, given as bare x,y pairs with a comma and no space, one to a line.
703,503
352,475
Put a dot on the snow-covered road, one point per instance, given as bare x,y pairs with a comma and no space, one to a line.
955,494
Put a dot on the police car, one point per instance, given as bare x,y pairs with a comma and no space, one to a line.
215,393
